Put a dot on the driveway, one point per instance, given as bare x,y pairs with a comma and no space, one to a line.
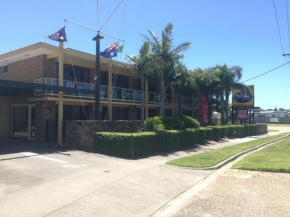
37,180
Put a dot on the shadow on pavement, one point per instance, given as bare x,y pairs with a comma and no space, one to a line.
14,146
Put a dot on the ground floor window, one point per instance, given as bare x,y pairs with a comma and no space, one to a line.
74,112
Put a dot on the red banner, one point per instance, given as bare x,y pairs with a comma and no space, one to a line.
204,110
242,114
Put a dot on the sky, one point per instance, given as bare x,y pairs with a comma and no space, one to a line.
240,32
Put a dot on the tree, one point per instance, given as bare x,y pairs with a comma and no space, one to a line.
228,78
207,84
181,84
142,66
167,57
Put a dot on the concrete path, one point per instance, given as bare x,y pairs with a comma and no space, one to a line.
77,183
242,193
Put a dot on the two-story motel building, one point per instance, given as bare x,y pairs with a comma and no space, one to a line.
32,114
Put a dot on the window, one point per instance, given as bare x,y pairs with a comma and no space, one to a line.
273,116
3,69
77,73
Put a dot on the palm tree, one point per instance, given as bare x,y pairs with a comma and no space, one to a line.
142,65
181,84
207,84
228,79
166,56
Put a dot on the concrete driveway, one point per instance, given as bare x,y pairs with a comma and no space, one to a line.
41,181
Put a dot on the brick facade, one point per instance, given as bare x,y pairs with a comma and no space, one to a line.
29,69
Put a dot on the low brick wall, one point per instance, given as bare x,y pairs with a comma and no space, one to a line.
262,128
81,134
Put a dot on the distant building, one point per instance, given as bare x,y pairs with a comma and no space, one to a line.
282,117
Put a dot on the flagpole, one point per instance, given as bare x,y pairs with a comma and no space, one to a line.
97,78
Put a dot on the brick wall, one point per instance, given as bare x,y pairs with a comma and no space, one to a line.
81,134
5,114
29,69
44,111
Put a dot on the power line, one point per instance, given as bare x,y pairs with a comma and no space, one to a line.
278,26
266,72
288,21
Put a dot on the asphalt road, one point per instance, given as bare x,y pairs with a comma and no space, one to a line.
41,181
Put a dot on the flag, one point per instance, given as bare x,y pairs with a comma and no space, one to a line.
110,51
120,48
59,36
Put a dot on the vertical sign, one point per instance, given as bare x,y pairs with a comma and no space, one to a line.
204,110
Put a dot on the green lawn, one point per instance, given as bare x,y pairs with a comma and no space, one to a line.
275,158
278,125
211,158
273,131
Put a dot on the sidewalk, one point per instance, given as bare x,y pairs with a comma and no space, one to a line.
96,185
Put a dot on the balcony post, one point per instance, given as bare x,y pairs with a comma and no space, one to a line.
192,102
146,98
110,78
60,94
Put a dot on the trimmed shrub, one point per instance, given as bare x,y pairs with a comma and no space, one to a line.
167,122
241,131
224,131
188,138
142,144
153,124
202,135
252,129
189,121
216,133
114,144
178,123
231,131
209,133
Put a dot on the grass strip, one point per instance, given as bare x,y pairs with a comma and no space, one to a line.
212,158
269,131
278,125
275,158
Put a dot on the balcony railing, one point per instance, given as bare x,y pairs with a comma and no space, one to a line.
118,94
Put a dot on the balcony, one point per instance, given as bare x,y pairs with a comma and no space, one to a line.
118,94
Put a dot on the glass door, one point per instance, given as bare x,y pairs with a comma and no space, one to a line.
23,121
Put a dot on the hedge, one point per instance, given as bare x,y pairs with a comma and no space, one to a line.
128,145
209,133
202,135
224,131
216,133
241,131
231,131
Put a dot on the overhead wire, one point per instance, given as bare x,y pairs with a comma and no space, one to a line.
267,72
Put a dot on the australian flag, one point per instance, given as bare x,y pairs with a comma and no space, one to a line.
110,51
59,36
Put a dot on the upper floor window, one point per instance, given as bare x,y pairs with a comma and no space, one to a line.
3,69
77,73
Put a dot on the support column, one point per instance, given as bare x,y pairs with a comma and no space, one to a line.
110,78
146,99
60,94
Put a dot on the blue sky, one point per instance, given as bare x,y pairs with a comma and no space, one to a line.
241,32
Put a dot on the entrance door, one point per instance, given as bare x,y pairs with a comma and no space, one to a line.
23,121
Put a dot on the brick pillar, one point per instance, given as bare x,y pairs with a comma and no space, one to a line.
44,111
5,117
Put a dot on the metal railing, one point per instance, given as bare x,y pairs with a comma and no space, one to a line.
118,94
72,84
